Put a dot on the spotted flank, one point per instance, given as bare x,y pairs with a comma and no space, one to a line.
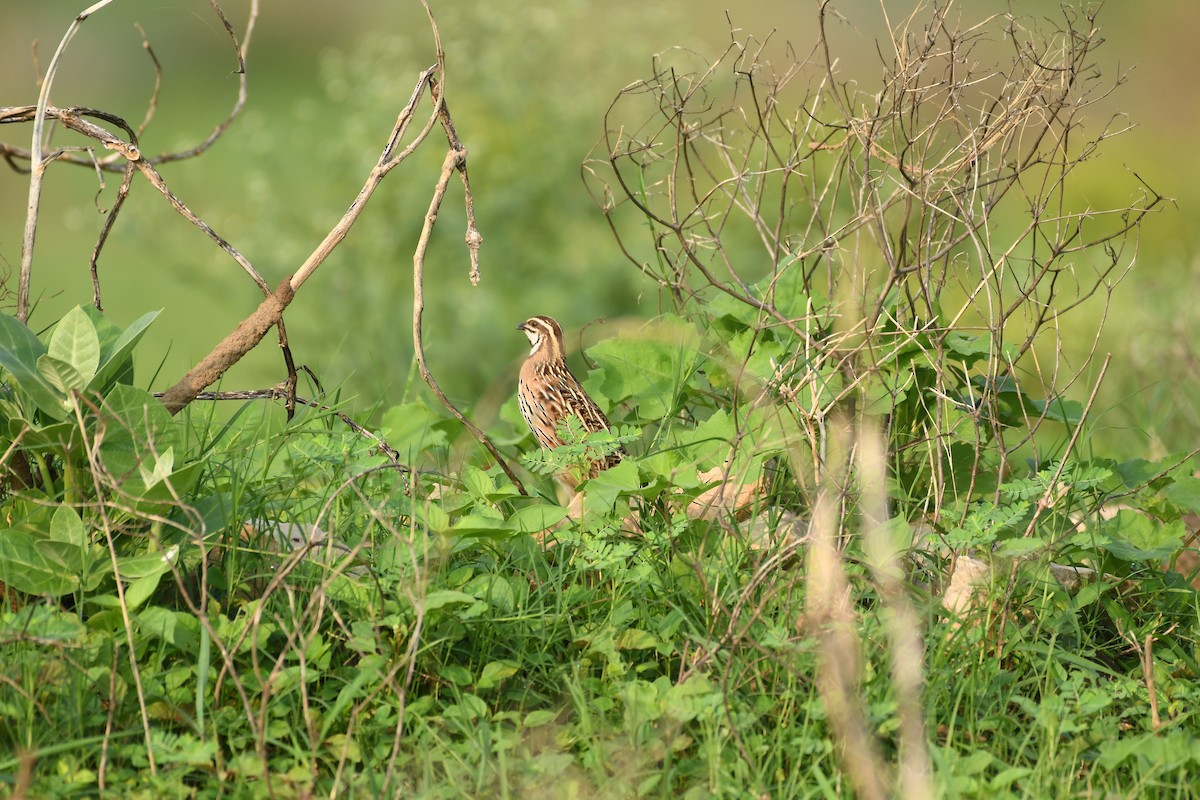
548,393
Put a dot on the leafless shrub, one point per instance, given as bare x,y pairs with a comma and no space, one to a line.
914,241
886,263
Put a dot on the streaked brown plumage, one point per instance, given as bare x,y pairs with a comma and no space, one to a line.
548,393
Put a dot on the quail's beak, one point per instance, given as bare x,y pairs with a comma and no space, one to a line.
521,327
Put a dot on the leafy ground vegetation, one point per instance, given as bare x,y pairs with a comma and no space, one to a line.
861,545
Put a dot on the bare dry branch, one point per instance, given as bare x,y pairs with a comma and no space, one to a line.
240,341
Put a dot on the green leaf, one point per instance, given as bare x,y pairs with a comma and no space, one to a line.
28,566
141,590
1006,777
1185,493
75,342
478,482
1088,594
1137,472
1136,537
143,565
480,525
1021,546
66,526
137,427
62,437
60,374
446,597
536,719
1060,410
117,365
651,373
635,639
536,518
163,464
970,347
434,517
166,491
20,350
409,429
603,490
496,672
493,589
367,669
786,290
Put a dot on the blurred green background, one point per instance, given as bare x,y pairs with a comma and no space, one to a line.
529,83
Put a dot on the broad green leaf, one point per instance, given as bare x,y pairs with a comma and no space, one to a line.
141,590
66,526
61,436
536,518
117,365
1088,594
165,491
1059,410
650,372
1137,472
67,545
635,639
479,525
48,623
707,445
435,519
603,490
1136,537
970,347
180,629
409,429
885,392
446,597
28,566
493,589
496,672
478,481
455,674
1006,778
60,374
340,746
136,427
366,670
1020,546
535,719
154,562
20,350
75,342
787,290
695,697
1116,750
1185,493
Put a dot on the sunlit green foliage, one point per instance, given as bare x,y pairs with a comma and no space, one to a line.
237,603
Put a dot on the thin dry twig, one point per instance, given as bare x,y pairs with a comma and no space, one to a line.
38,161
456,160
449,165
